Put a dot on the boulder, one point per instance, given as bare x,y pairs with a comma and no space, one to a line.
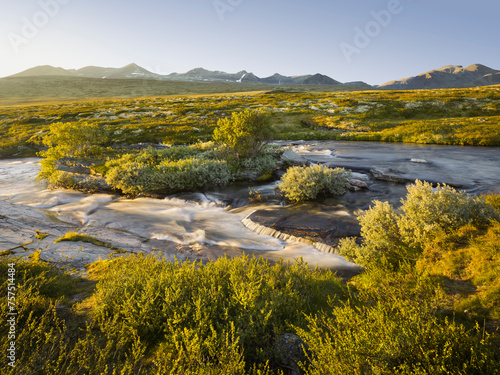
385,173
292,158
290,351
358,183
89,183
73,165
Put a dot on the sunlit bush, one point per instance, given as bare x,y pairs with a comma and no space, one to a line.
309,183
395,337
131,176
245,133
426,215
198,316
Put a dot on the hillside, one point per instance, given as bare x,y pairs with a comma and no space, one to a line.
450,76
134,71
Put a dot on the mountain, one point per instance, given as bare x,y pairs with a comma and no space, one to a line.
134,71
317,79
277,79
131,71
44,70
200,74
450,76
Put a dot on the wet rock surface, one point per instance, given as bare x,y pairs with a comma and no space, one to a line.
198,227
315,223
26,230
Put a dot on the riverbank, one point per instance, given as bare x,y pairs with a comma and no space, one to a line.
211,224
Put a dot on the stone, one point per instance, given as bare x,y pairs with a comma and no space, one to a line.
76,254
358,183
293,158
90,183
389,174
321,227
290,351
73,165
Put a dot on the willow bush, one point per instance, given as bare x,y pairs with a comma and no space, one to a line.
427,216
244,134
396,336
308,183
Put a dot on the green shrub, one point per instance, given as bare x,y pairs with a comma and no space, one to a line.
76,139
309,183
427,216
261,166
71,139
197,314
134,177
395,336
40,332
244,134
432,213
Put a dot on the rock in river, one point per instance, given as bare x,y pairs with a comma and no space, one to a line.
321,226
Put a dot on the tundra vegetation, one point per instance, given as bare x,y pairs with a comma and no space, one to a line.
427,301
452,116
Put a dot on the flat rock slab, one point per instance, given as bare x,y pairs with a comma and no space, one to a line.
76,254
10,238
117,238
317,223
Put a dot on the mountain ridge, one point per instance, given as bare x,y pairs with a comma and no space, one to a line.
134,71
448,76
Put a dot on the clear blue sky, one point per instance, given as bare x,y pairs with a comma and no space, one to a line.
291,37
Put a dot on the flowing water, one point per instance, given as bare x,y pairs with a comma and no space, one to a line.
190,219
207,218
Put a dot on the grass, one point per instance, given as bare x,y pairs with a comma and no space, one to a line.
142,314
78,237
452,116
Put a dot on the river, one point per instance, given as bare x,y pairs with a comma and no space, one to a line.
204,219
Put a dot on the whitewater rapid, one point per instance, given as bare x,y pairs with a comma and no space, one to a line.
203,219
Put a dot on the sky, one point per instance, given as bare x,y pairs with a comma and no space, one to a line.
349,40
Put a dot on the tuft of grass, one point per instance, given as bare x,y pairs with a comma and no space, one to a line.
40,235
78,237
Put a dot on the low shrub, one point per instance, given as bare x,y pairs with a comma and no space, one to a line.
262,166
427,217
395,336
165,176
309,183
198,316
244,134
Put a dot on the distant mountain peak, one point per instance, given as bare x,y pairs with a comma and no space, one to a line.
449,76
134,71
198,71
44,70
